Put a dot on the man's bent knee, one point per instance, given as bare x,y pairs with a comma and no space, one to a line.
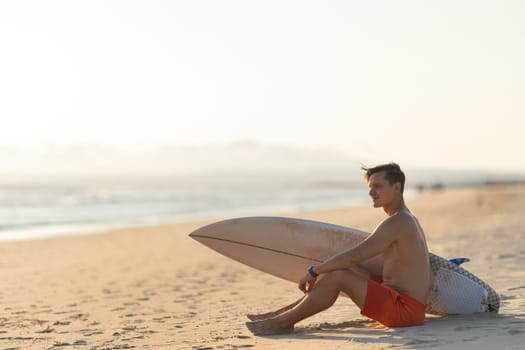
350,282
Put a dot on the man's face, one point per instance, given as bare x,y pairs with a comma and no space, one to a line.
381,191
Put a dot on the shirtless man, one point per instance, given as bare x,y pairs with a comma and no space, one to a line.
387,276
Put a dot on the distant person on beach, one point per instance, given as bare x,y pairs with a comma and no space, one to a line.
387,275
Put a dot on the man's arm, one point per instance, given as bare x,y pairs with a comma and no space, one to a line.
382,237
375,244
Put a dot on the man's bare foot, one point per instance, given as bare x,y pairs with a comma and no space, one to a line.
272,314
268,327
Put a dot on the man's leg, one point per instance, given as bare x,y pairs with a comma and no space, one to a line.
322,296
264,316
372,266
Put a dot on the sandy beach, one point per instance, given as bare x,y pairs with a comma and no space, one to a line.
155,288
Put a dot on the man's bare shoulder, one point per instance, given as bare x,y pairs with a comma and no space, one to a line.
402,221
404,216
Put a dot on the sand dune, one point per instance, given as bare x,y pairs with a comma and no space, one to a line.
155,288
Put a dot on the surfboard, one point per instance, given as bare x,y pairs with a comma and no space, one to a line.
285,247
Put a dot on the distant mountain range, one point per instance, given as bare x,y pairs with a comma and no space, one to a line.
243,157
248,157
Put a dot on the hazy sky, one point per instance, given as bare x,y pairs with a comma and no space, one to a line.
422,82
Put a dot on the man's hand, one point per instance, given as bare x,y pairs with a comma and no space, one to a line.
307,283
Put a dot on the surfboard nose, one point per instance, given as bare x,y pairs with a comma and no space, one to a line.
213,230
225,228
201,231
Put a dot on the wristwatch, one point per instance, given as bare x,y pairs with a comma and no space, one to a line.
312,272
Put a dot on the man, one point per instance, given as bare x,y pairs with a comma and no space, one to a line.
387,276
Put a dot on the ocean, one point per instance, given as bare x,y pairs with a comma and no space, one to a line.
67,207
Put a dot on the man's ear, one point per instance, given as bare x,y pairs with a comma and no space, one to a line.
397,186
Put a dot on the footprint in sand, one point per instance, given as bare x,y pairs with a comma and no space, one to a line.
120,308
90,332
130,303
48,329
19,312
79,316
149,292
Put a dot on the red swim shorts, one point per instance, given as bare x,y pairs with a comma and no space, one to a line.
391,308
